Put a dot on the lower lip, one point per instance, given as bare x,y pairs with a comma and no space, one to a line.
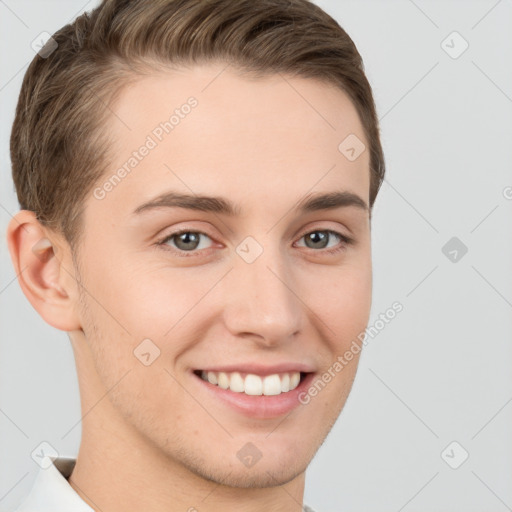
259,406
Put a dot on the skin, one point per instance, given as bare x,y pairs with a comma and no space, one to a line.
151,437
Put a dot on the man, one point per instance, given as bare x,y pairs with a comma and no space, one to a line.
209,375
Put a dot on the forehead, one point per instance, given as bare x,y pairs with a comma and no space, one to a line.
208,129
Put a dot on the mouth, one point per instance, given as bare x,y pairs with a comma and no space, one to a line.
254,396
252,384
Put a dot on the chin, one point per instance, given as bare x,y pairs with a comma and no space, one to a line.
242,477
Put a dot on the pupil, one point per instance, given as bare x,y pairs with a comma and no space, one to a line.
185,238
322,237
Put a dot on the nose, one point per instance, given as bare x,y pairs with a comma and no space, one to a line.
261,301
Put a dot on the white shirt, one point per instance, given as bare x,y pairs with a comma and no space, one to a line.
51,491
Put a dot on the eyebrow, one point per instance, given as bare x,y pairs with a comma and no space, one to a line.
215,204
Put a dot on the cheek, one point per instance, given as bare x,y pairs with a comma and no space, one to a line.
143,299
132,304
341,297
355,296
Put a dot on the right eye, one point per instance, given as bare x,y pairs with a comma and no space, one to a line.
184,241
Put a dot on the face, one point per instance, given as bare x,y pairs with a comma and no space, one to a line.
176,286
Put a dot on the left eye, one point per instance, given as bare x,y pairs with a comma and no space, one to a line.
189,241
325,235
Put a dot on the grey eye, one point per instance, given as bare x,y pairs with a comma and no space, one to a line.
186,240
318,239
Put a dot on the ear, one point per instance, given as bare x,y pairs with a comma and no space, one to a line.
45,271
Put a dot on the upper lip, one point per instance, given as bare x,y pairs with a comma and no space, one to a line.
261,369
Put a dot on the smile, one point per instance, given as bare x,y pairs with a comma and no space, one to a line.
252,384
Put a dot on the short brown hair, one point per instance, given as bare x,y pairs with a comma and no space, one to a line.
59,148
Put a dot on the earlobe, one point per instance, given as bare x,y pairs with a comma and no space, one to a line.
44,270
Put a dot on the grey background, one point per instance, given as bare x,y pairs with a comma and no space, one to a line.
440,371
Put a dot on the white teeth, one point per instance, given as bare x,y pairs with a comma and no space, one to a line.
236,383
285,383
253,384
272,385
223,380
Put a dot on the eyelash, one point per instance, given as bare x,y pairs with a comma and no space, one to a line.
187,254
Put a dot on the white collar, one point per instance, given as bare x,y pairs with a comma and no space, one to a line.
51,492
